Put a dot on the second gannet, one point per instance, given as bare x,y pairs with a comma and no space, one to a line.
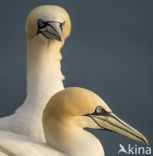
66,115
47,27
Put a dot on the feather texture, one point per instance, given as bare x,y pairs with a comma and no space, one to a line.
44,76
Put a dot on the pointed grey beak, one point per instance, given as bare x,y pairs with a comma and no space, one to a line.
111,122
50,29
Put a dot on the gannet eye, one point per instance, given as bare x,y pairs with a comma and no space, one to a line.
41,24
61,25
99,110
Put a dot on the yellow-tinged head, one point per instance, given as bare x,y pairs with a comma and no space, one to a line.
86,110
74,102
48,21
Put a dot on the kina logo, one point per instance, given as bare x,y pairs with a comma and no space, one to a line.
134,150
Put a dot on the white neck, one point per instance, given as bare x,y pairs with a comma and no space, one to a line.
71,139
44,77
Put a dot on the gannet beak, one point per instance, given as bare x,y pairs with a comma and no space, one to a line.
111,122
50,29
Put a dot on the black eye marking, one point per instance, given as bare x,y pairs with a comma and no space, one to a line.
99,111
41,24
61,25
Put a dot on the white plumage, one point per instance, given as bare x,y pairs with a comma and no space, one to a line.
64,119
12,144
47,27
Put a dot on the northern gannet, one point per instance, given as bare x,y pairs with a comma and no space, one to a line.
47,27
65,116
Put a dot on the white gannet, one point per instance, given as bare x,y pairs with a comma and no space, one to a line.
65,116
47,27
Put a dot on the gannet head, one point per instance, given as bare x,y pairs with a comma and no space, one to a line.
48,22
87,110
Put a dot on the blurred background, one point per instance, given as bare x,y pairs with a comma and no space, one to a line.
110,51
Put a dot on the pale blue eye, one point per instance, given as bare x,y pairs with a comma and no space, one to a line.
99,110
